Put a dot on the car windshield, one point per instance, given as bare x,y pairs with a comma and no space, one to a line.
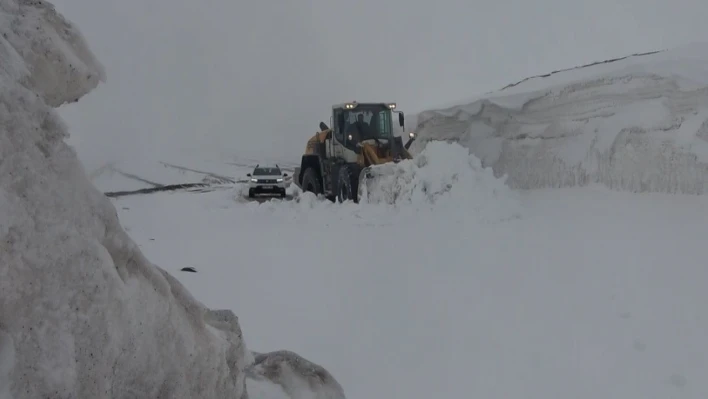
266,172
368,122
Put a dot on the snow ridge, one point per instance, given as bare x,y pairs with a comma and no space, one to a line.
639,124
577,67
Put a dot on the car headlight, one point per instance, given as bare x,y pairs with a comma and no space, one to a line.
254,180
279,180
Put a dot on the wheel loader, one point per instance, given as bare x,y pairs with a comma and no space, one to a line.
337,160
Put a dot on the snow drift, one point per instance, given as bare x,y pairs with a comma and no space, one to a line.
83,314
638,124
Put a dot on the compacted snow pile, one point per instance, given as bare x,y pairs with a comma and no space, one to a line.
443,175
83,314
638,124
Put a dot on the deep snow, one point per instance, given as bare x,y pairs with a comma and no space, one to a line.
576,292
638,124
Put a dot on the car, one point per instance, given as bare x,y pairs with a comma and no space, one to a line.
266,179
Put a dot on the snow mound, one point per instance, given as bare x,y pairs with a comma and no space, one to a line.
638,124
288,372
443,175
83,314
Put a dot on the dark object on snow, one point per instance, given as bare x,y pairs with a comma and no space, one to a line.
188,269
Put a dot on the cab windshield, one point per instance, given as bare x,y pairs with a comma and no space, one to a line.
368,122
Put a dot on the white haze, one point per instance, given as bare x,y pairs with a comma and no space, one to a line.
254,79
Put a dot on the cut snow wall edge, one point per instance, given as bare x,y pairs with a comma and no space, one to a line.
638,128
82,312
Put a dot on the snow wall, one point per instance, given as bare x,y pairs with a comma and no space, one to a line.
83,314
639,124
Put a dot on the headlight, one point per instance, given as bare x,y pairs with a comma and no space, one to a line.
279,180
254,180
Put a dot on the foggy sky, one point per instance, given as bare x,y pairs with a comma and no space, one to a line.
254,78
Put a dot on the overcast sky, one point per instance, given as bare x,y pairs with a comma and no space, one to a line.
255,77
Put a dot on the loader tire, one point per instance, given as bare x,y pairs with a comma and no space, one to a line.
363,176
311,182
348,185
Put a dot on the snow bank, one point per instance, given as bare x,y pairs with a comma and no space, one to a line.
83,314
637,124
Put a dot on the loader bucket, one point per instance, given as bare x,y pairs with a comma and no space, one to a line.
379,183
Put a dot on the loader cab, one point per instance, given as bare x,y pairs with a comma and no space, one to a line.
356,123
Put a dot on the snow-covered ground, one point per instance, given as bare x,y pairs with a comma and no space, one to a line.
476,291
637,124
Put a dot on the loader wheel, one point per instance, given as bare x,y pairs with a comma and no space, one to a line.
363,175
348,185
311,182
